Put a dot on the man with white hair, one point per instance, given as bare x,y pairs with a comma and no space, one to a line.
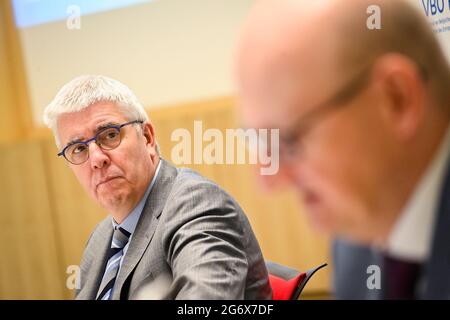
165,222
364,117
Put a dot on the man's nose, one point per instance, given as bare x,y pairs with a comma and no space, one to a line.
288,172
97,156
273,182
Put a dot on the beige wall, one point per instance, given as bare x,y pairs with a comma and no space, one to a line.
15,113
167,52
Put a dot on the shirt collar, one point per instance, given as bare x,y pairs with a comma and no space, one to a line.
132,219
412,234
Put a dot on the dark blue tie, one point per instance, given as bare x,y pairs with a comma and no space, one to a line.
119,241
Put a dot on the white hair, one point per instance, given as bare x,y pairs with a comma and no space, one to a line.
87,90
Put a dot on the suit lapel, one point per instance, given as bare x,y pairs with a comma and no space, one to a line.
437,284
100,244
146,225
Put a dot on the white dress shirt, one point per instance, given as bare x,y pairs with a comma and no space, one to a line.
412,234
130,222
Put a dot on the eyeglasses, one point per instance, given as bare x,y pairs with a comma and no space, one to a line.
107,138
291,139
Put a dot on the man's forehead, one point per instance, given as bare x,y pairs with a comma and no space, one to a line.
83,124
289,73
260,115
278,93
288,55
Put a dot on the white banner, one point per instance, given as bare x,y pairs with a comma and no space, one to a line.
438,14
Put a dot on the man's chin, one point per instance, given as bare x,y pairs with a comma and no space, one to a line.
110,200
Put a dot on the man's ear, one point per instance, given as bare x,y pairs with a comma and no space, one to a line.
403,92
149,135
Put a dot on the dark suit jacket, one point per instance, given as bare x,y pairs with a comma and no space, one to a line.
351,261
191,231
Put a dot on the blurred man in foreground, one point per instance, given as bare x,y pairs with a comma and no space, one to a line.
364,135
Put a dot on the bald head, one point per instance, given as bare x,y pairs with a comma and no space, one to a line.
275,35
334,34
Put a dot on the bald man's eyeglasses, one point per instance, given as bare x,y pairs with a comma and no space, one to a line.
291,139
107,138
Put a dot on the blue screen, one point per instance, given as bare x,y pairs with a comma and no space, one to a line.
32,12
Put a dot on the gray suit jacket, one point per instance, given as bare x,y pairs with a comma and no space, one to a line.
191,231
351,261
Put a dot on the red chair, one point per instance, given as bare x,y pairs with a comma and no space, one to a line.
288,283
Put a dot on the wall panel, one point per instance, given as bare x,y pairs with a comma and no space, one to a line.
30,267
15,110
